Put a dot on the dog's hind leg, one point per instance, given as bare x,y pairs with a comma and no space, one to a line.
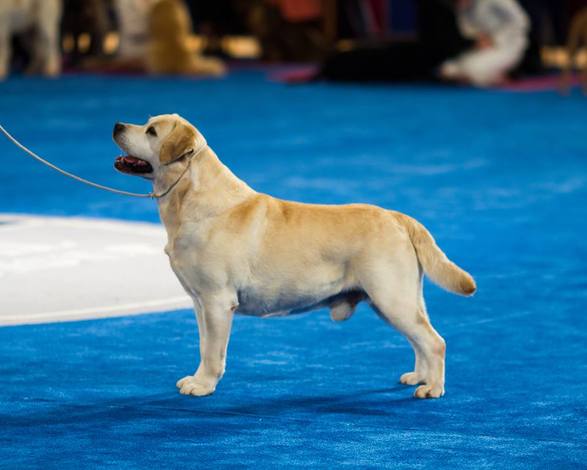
418,376
429,347
400,304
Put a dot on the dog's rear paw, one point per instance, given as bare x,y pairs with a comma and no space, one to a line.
411,378
191,386
429,391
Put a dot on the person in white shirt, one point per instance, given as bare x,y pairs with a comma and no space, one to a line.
500,29
133,24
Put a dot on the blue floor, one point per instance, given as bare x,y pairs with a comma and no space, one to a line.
499,178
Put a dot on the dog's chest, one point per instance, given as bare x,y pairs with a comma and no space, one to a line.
187,272
197,268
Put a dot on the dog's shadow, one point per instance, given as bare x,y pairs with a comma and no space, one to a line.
367,402
170,408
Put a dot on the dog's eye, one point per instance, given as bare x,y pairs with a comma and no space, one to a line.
151,131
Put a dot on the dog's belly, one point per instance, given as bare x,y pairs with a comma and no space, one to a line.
292,290
256,304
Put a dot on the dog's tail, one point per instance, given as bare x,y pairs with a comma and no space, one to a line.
437,266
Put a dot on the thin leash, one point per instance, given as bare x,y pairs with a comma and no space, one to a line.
190,153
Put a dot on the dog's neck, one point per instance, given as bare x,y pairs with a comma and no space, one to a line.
207,189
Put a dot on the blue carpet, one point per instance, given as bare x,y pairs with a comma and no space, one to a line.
499,178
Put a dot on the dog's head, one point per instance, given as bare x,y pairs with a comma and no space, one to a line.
149,147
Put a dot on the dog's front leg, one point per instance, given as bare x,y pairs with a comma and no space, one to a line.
215,314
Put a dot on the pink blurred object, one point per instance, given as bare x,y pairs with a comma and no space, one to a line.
295,73
299,10
544,83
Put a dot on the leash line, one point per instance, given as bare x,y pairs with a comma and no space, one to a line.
152,194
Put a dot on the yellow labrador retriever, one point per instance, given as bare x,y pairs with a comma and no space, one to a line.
238,251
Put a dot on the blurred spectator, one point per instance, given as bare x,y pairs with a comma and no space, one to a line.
547,19
438,38
155,37
288,30
85,17
215,19
133,24
500,29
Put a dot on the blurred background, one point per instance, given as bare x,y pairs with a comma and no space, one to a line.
402,40
469,115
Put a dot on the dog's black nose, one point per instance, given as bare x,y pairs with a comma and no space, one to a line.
118,127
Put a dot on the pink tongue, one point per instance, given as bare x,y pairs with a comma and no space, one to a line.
135,161
129,164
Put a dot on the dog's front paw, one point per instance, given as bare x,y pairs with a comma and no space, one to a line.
429,391
190,385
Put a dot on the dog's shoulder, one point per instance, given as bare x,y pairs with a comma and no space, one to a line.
252,207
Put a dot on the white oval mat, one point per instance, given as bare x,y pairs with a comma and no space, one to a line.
60,269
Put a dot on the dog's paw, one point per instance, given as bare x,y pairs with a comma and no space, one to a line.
411,378
191,386
429,391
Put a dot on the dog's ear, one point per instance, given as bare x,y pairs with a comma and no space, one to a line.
179,142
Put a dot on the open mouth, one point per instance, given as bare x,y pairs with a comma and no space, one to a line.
132,165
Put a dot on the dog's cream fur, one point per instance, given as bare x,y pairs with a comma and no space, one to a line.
170,27
41,17
236,250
